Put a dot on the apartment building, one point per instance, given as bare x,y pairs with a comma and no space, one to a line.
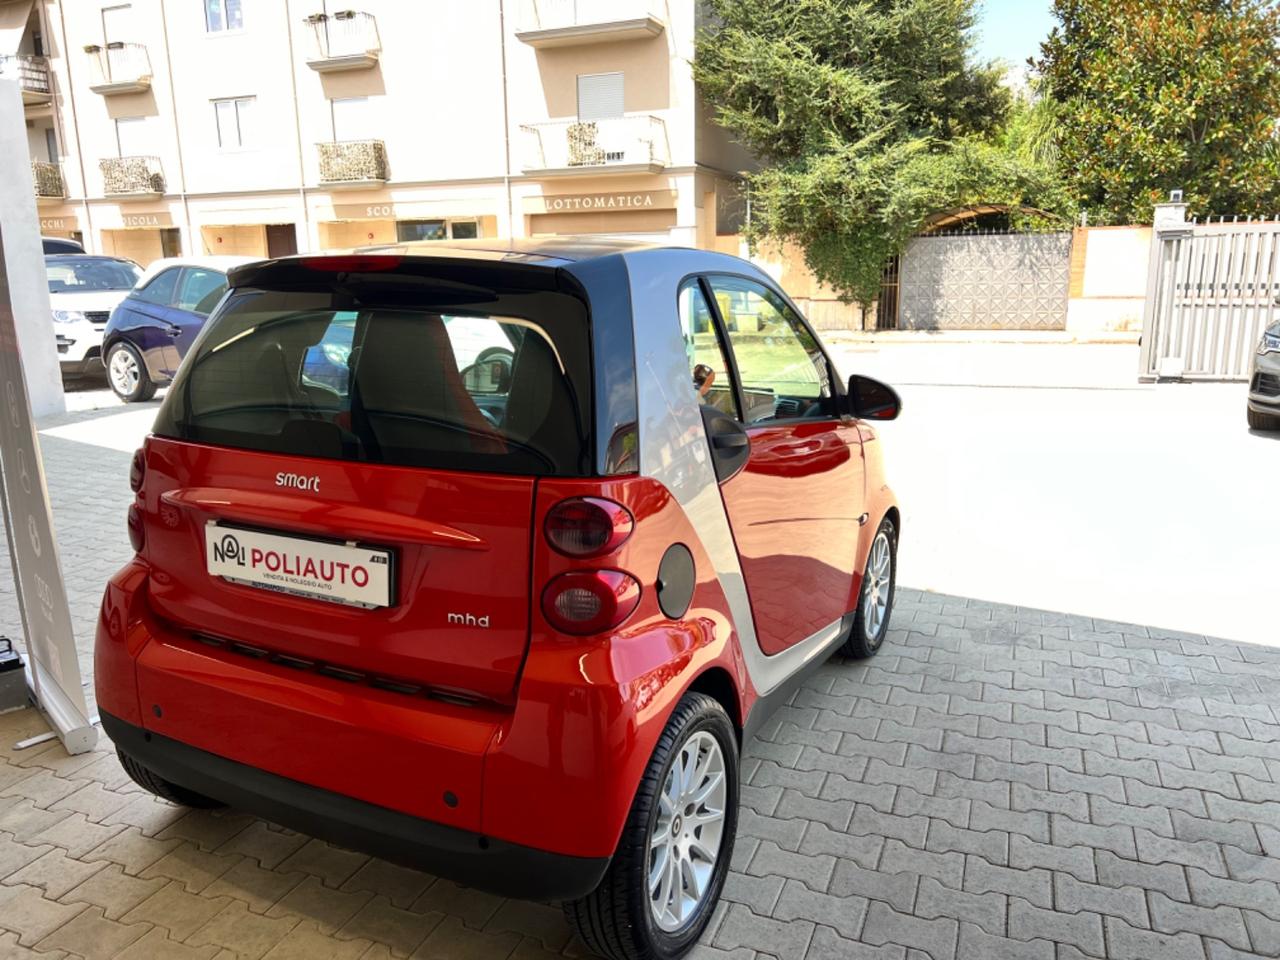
265,127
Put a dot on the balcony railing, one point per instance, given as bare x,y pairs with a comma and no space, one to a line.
136,177
32,76
347,40
48,180
626,144
119,68
562,23
353,163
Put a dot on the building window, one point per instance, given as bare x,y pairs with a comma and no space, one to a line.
600,96
51,144
232,117
223,15
351,120
133,137
408,231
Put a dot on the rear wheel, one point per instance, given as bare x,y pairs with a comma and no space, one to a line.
875,604
665,879
1263,421
162,788
127,374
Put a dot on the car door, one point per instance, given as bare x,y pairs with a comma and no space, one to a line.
146,321
199,290
797,506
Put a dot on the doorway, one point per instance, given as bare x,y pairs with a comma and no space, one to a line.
282,240
170,242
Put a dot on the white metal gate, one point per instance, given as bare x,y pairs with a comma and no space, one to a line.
1211,291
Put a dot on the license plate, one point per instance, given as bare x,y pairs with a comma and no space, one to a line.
338,572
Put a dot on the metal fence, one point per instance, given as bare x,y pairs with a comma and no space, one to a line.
1212,288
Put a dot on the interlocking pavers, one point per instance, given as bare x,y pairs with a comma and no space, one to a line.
898,810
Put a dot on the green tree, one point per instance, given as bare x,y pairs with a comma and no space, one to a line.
867,116
1156,95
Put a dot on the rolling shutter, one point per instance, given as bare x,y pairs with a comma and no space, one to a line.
600,96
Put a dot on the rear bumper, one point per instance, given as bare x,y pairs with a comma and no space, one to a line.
502,868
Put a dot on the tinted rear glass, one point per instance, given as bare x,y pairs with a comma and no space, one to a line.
501,386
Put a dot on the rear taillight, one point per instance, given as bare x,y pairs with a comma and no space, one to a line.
587,526
137,470
137,535
353,263
590,601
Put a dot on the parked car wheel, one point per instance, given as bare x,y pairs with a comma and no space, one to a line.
127,374
1263,421
670,866
871,622
162,788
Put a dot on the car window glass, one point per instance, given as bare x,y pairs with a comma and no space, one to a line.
708,369
201,289
161,288
783,371
86,274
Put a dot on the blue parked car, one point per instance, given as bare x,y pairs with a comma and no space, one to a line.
152,329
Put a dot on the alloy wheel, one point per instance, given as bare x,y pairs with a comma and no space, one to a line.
685,841
124,372
878,586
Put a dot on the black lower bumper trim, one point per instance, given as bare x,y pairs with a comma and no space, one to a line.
496,866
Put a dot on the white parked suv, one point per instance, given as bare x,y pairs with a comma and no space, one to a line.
83,290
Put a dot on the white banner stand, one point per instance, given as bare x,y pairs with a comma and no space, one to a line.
52,663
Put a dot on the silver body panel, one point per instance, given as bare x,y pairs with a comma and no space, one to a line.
673,444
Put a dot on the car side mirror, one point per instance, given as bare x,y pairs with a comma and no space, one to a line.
872,400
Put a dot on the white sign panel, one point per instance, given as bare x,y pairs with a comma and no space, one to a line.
337,572
42,597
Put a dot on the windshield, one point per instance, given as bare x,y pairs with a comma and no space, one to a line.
81,275
499,387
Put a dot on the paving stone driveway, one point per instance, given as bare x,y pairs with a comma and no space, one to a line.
998,783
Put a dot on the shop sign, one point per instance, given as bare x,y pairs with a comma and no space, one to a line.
136,220
58,223
366,211
601,202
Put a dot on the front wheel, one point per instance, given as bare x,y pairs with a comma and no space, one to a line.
127,374
875,603
665,879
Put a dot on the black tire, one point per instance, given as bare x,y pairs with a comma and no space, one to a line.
859,646
615,920
145,388
1263,421
162,788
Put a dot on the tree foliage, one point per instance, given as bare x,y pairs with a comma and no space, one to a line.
867,116
1155,95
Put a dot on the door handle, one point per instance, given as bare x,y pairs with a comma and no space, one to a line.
730,441
173,331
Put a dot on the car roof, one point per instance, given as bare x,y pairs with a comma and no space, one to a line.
86,256
220,262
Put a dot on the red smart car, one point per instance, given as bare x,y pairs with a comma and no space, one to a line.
488,561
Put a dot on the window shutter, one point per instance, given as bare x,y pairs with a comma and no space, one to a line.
600,96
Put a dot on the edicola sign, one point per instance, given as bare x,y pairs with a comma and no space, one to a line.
42,597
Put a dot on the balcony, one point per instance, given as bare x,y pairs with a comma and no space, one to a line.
31,75
50,186
568,23
346,40
565,148
353,164
119,68
132,178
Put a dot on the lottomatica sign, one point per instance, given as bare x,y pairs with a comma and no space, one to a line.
42,597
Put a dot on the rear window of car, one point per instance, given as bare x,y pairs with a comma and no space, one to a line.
381,376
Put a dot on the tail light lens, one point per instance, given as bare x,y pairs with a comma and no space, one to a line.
590,601
137,535
587,526
137,470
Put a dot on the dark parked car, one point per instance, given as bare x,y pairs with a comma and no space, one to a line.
61,245
154,326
